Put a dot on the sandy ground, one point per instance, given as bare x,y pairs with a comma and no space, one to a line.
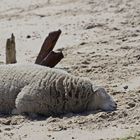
100,40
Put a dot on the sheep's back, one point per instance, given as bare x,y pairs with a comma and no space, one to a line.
52,91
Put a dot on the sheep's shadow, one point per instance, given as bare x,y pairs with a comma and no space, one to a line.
40,117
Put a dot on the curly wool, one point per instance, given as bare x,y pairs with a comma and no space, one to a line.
38,89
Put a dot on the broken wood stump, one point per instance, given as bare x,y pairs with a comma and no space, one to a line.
11,50
47,57
52,59
48,45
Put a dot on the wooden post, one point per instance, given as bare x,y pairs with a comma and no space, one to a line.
52,59
11,50
48,46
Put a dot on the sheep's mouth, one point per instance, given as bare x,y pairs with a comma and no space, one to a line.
113,107
110,108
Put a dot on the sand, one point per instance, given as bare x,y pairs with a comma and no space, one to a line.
100,40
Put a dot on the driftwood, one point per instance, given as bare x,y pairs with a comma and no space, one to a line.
11,50
52,59
47,47
46,57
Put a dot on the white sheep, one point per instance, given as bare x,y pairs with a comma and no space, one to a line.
41,90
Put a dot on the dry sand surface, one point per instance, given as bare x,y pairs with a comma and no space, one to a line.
100,40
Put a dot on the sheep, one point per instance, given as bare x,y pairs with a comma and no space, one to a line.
31,88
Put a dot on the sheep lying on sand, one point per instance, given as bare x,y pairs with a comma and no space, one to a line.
37,89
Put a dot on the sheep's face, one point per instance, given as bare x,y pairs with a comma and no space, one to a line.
103,101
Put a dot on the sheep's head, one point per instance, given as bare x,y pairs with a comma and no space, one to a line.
102,100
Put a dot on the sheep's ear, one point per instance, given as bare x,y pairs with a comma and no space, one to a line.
95,88
98,90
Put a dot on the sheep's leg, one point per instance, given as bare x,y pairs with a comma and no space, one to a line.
29,101
24,100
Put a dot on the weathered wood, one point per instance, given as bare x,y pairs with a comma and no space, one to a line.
11,50
48,46
52,59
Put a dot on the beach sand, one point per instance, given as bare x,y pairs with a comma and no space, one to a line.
101,40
